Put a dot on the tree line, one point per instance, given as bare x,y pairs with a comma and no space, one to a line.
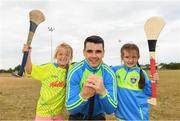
170,66
161,66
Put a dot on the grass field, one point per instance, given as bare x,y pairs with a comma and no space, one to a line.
18,97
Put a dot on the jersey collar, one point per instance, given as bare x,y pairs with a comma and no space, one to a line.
91,68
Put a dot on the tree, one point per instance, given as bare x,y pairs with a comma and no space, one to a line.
17,68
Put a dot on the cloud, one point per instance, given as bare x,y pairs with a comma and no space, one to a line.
75,20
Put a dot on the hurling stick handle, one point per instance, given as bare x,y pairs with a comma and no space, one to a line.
152,49
32,30
25,56
153,71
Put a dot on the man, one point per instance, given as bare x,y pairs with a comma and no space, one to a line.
91,85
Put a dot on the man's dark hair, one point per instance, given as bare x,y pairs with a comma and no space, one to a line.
94,39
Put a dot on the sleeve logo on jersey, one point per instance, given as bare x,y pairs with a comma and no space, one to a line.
57,84
133,80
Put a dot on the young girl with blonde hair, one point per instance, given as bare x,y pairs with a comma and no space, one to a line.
53,82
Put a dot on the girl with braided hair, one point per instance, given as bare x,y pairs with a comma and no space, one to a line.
133,86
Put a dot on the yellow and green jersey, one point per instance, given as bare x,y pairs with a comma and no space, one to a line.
52,93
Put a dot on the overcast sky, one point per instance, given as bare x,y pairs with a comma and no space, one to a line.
74,20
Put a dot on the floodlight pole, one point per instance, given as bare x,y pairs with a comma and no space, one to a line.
51,29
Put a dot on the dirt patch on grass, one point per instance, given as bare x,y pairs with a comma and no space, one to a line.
18,97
